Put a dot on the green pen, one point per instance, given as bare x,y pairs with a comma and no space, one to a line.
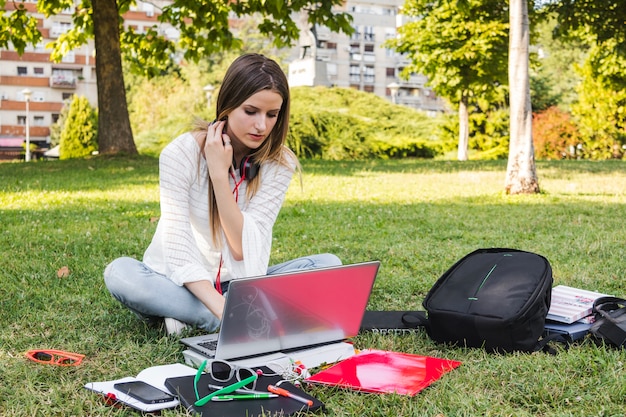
243,397
225,390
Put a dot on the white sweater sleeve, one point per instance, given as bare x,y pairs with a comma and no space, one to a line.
176,249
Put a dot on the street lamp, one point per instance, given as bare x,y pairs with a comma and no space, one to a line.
27,93
394,87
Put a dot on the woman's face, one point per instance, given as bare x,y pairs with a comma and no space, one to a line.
251,123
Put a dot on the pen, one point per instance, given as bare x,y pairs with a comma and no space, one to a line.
225,390
239,390
281,391
243,397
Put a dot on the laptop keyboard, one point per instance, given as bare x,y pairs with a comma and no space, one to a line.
209,344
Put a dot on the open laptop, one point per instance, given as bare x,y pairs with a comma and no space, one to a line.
289,311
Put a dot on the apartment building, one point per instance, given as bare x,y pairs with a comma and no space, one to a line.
361,61
33,89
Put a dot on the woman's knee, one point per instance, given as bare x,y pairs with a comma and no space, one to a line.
328,259
117,272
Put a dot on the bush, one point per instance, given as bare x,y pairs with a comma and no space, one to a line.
489,134
79,137
555,135
340,123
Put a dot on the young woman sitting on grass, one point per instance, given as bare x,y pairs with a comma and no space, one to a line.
221,187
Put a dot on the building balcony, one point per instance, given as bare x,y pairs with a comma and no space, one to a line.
62,81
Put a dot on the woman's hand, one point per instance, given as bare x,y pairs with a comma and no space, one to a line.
208,295
218,151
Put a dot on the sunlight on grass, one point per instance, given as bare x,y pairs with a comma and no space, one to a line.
417,217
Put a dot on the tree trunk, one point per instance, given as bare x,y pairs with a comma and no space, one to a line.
463,129
114,132
521,176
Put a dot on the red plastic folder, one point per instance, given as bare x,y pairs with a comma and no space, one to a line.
385,372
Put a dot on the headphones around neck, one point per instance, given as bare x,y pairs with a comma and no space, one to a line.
248,169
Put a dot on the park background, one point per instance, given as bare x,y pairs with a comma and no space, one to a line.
379,182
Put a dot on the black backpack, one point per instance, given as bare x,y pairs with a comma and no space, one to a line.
496,299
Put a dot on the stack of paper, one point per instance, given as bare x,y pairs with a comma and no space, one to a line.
571,304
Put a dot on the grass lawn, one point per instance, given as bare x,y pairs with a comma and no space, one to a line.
416,217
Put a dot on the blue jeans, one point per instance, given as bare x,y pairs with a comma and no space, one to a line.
151,295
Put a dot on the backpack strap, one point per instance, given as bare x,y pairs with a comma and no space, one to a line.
415,319
610,324
544,344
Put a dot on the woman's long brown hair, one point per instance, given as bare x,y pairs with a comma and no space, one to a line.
246,76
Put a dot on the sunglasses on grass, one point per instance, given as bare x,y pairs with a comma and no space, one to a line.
55,357
222,371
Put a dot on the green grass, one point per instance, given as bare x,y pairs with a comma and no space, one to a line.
416,217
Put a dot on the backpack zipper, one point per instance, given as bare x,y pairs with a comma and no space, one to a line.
475,297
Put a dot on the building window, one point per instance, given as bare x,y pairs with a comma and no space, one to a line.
69,57
59,28
368,88
391,72
22,71
369,75
331,69
55,117
368,33
63,78
67,96
355,73
38,70
38,121
369,48
356,35
21,120
331,45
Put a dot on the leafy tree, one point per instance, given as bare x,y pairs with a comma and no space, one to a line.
56,129
603,18
554,77
600,112
461,46
79,137
203,26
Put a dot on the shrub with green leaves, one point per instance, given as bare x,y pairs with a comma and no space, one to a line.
79,137
489,134
340,123
600,111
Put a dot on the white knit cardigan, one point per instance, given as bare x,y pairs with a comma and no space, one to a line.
182,247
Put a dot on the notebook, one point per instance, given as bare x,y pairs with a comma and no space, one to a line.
281,406
289,311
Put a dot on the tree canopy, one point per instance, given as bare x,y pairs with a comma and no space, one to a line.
203,28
